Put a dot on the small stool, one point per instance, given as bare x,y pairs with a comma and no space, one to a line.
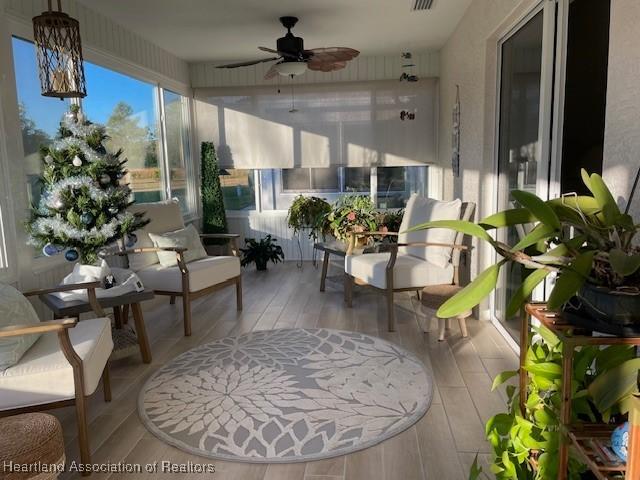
31,439
434,296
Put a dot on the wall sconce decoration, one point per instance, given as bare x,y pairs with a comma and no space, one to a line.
407,115
407,68
455,136
59,49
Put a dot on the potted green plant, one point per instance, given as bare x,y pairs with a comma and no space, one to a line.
586,240
309,213
352,213
261,252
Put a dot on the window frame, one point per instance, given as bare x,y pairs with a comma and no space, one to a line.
23,30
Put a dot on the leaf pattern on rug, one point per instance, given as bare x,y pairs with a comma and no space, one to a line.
276,395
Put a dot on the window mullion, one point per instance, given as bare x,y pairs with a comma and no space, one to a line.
163,160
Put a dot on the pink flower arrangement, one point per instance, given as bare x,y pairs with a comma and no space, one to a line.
351,216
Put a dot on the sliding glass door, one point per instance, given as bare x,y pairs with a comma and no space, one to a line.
524,111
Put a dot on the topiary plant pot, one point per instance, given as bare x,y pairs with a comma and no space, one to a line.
614,306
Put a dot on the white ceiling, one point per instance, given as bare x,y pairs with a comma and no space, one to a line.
229,30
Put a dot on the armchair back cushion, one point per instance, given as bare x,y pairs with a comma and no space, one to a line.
15,309
420,210
165,217
188,238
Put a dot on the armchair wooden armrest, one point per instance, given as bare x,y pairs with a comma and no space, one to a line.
90,287
231,237
42,327
63,288
132,251
431,244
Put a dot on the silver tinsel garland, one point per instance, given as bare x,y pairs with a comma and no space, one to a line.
45,226
71,142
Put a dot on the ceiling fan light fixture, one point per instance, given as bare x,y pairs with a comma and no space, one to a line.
291,68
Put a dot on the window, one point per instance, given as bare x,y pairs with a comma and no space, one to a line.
176,114
396,184
127,107
39,116
357,179
238,189
130,110
310,179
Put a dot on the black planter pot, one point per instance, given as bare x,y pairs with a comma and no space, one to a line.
617,308
262,266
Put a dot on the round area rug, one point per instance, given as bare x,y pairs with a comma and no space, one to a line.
290,395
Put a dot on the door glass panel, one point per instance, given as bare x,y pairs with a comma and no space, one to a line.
519,138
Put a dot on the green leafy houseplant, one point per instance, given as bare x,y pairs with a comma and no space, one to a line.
352,213
583,239
214,218
261,252
309,213
525,444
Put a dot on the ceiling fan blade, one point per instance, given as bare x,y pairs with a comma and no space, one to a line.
247,63
272,72
282,54
325,66
335,54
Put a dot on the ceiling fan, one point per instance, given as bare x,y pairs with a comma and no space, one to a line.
293,59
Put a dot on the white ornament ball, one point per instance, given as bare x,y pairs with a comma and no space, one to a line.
105,179
48,159
77,162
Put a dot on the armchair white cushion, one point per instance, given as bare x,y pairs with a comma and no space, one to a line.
408,271
420,210
13,306
165,217
203,273
43,374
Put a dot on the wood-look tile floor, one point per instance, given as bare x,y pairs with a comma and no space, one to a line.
440,446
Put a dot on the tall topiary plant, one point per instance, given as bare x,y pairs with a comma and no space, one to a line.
214,219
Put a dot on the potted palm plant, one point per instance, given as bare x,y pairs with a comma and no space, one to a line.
261,252
585,240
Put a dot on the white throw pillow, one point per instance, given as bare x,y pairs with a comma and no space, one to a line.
165,216
421,210
15,309
185,238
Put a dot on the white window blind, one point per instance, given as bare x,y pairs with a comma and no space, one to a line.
354,124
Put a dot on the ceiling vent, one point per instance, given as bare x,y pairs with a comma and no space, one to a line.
417,5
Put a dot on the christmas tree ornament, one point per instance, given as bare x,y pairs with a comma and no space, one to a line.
113,210
50,250
58,203
87,218
77,161
48,159
132,239
71,255
105,179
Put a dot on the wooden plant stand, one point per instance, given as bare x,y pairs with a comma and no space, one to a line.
580,436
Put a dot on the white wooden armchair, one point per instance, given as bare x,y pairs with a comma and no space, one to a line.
63,367
187,280
419,259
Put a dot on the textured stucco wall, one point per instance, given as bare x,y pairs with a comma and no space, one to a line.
622,134
468,59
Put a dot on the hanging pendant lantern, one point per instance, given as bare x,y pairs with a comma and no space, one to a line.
57,39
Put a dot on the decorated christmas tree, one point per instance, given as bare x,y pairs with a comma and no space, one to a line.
83,206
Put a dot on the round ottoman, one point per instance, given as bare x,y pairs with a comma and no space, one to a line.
31,446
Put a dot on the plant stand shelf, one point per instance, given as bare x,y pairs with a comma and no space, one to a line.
584,439
581,437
